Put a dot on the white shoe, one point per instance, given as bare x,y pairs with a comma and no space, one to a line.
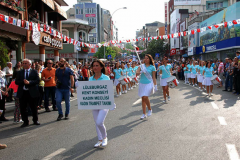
20,121
169,98
164,101
128,89
125,91
143,116
137,84
211,94
193,85
120,93
134,86
104,142
149,113
98,144
131,87
117,95
201,90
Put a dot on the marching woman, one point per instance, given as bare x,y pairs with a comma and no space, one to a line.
200,75
124,72
185,73
194,73
130,74
134,67
147,79
99,115
208,72
166,71
117,74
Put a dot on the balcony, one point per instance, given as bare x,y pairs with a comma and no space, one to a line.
200,17
7,6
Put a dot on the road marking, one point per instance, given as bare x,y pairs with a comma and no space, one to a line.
138,101
54,154
19,136
232,152
214,105
222,121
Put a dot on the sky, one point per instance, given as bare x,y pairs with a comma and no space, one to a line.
137,14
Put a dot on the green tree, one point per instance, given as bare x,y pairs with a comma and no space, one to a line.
4,58
108,51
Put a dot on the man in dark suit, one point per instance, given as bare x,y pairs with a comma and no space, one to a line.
28,81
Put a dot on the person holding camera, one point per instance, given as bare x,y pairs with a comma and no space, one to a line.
65,84
48,76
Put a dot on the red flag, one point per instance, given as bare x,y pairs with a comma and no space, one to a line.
179,34
216,26
152,37
10,20
161,37
66,39
137,40
137,48
23,24
210,27
143,39
70,39
148,38
39,26
157,37
45,28
168,36
172,35
225,24
120,42
61,36
50,30
198,30
30,26
74,42
2,18
184,33
234,22
192,31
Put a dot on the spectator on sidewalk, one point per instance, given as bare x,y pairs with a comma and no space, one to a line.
28,93
237,74
40,87
65,82
85,72
3,94
221,72
48,76
17,114
229,76
9,73
16,69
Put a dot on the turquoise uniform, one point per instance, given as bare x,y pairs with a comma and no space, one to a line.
200,69
143,78
124,71
189,68
165,71
194,71
208,71
117,73
102,78
135,70
130,71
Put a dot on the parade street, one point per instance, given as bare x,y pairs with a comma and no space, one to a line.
190,126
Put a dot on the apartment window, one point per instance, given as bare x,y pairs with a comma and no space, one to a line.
220,4
79,11
93,30
91,20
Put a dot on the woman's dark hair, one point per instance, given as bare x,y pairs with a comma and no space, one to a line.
101,64
150,58
115,66
207,64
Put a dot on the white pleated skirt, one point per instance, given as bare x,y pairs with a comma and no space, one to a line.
145,89
163,82
207,81
189,75
116,82
200,78
193,75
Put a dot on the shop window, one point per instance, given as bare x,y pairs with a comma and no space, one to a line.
82,36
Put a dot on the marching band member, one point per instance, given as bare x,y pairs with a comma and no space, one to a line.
166,71
99,115
117,74
130,73
193,72
147,79
124,72
200,75
208,71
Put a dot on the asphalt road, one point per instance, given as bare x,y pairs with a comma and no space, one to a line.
190,126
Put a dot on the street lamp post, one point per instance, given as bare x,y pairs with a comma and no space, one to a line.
118,9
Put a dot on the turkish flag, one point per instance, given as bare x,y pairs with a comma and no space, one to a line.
157,37
216,26
192,31
198,30
234,22
137,40
39,26
137,48
168,36
148,38
10,20
184,33
179,34
152,37
45,28
172,35
210,27
66,39
2,17
143,39
50,30
161,37
225,24
23,24
70,39
120,42
30,26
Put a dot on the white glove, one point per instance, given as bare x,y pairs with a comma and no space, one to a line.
155,88
141,72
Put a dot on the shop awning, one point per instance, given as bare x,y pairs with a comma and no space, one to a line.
185,55
49,3
60,11
61,2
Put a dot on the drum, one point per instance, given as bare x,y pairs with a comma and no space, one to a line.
123,80
215,80
129,79
172,82
134,78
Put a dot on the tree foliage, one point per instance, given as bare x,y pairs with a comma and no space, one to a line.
108,51
4,58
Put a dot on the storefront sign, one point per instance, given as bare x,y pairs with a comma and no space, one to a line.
61,55
173,52
95,95
36,37
52,41
90,15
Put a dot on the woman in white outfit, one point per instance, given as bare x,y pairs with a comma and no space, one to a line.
166,71
117,74
147,79
208,72
99,115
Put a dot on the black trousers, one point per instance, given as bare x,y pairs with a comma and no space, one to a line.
238,84
10,92
2,107
26,100
40,98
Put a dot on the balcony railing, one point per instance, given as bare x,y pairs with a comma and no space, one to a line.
11,4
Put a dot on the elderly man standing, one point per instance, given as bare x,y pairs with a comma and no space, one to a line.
28,93
48,76
9,73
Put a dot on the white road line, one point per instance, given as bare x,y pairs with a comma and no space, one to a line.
19,136
222,121
214,105
54,154
138,101
232,152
